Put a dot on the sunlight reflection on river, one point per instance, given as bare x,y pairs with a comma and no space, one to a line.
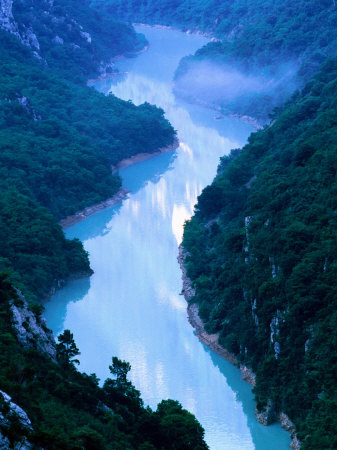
132,307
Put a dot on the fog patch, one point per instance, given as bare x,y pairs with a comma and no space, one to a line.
214,83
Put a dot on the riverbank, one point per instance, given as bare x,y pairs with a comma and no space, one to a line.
142,156
108,70
122,193
218,110
82,214
265,417
195,31
211,340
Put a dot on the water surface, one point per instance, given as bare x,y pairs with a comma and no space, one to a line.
131,307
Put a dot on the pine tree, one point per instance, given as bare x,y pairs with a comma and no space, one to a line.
67,349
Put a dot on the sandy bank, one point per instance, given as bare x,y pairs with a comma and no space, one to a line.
122,193
142,156
80,215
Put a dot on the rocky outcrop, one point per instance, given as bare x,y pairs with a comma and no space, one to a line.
11,415
32,331
288,425
267,415
7,21
188,291
28,32
248,375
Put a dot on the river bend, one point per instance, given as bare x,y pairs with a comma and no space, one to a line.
131,307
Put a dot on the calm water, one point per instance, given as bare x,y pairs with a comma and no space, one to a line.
131,307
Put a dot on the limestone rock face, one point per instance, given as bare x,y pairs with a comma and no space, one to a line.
7,21
8,409
32,332
28,29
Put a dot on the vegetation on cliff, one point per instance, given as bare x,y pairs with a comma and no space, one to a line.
58,140
282,42
69,409
72,37
262,257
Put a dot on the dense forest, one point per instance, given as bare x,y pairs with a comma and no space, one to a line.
262,256
261,246
281,43
67,409
59,139
72,37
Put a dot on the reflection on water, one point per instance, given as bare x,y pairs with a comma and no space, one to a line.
73,292
149,170
133,307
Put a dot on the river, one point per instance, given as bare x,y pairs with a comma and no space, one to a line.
131,307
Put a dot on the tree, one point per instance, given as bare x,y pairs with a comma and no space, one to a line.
120,369
67,349
121,390
180,429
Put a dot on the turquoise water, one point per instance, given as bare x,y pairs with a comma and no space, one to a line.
131,307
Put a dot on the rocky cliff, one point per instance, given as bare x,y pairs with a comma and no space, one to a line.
69,34
13,419
31,330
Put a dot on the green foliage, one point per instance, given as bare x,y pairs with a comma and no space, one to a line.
69,410
282,41
262,257
180,429
34,248
73,37
58,140
67,349
120,369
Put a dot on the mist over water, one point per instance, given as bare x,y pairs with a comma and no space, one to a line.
132,307
217,83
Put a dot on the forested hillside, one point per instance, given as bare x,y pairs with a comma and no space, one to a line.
282,43
262,256
58,140
68,35
67,409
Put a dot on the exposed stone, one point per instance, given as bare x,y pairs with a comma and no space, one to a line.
86,36
58,40
24,101
295,443
288,425
277,349
30,332
267,415
28,37
248,375
106,68
7,21
12,409
188,291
